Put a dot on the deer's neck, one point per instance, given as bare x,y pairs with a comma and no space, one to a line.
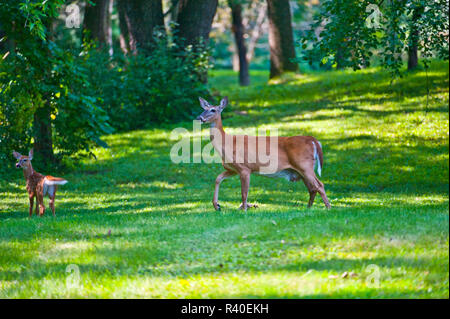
28,172
217,135
216,127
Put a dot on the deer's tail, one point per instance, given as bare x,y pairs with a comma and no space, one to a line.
318,157
50,181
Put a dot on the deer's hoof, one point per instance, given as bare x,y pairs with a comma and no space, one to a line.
216,206
244,207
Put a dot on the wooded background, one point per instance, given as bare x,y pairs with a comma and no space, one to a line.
72,71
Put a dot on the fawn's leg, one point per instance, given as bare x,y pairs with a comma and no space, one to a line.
37,206
52,195
40,201
245,185
52,204
31,197
219,180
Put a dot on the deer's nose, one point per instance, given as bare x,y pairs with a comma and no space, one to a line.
17,165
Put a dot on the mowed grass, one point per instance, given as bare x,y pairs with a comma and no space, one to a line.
134,224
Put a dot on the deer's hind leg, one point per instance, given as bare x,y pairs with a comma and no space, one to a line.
40,203
318,187
37,207
313,184
312,196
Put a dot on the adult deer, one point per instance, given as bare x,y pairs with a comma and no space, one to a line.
292,158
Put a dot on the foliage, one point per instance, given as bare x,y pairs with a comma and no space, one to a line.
161,86
79,118
40,74
58,81
15,118
433,27
137,225
27,19
348,33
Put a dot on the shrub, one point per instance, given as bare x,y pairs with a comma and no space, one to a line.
56,80
161,86
15,124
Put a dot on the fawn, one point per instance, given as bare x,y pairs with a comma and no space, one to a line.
292,158
38,185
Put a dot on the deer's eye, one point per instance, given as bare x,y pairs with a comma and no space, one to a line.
24,160
213,110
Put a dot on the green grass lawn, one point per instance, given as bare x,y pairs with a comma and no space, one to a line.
137,225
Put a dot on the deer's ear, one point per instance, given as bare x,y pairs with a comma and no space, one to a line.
204,104
17,155
30,154
224,102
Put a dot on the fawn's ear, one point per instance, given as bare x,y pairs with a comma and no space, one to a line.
204,104
224,102
30,154
17,155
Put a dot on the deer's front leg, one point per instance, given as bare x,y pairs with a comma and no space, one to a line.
219,180
245,184
31,197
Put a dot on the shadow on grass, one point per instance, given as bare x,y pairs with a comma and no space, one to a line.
160,262
362,293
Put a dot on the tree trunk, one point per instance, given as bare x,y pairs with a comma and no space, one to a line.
194,19
238,30
235,58
339,58
413,57
97,21
174,10
124,22
281,39
138,20
42,121
256,32
42,129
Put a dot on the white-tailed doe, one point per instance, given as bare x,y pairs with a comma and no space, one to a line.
38,185
292,158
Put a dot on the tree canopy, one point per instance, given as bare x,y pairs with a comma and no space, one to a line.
348,33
